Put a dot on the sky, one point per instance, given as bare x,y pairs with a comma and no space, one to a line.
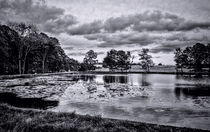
102,25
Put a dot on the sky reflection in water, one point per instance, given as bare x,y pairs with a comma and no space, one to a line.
173,100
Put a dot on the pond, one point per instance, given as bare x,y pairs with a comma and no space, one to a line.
154,98
166,99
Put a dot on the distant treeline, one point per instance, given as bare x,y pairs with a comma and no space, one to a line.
24,50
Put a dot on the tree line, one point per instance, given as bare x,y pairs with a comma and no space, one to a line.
117,60
23,49
196,58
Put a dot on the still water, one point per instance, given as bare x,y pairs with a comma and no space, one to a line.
166,99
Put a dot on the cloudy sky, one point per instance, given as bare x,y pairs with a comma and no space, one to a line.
101,25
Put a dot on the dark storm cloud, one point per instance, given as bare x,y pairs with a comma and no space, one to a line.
166,42
114,40
164,48
83,54
180,40
60,24
184,37
118,24
90,28
50,19
170,46
147,21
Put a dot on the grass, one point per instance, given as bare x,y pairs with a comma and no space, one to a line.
29,120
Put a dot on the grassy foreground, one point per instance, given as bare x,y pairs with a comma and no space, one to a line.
16,119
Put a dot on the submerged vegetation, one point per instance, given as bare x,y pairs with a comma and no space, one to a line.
14,119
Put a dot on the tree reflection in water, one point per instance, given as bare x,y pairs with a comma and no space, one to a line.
86,78
115,79
194,87
144,80
190,91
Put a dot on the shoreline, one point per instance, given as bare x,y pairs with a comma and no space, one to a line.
99,72
21,119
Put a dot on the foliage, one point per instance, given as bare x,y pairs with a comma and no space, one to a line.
89,61
24,50
9,43
195,57
145,59
117,60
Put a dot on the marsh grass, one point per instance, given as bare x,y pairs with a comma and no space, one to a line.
29,120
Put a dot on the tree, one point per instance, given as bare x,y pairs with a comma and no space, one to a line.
199,55
46,46
23,30
90,60
208,57
9,41
26,51
195,57
31,42
117,60
145,59
131,61
179,58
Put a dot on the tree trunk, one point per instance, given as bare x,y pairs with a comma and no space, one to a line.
19,60
24,59
24,64
43,61
19,64
43,66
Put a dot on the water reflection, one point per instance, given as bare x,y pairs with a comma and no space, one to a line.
186,86
115,79
192,91
86,78
145,80
38,103
165,99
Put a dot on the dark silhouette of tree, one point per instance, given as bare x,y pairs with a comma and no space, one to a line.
180,59
117,60
9,42
199,55
23,30
89,61
145,59
23,50
195,57
208,57
47,47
